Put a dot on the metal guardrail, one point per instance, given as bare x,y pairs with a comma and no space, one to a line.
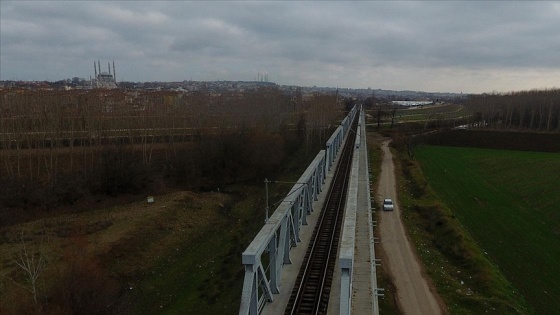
371,225
333,145
281,232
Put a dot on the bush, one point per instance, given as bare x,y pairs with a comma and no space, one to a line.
183,168
266,153
82,287
448,237
68,188
416,181
121,172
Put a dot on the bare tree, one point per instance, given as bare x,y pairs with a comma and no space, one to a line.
32,265
536,110
393,115
379,109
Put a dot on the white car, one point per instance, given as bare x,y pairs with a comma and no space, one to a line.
387,204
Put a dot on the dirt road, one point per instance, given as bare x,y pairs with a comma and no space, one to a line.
413,293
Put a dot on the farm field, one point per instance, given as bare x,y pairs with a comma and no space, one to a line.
439,112
508,201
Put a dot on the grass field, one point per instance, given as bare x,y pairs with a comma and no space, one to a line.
159,252
440,112
180,255
509,202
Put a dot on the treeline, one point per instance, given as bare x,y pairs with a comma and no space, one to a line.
493,139
535,110
58,147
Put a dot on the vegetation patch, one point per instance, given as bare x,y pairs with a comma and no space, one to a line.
508,201
464,275
491,139
62,149
77,168
535,110
180,254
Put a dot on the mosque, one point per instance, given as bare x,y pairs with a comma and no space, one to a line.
104,80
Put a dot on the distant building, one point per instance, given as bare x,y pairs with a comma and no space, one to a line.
104,80
412,103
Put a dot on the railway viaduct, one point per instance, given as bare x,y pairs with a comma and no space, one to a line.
296,264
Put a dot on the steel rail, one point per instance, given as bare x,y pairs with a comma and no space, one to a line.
310,294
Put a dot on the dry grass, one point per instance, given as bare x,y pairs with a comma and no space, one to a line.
127,240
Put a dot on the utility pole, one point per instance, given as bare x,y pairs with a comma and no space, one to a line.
266,181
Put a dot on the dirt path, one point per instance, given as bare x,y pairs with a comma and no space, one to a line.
413,292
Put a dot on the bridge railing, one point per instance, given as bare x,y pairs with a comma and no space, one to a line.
282,230
333,145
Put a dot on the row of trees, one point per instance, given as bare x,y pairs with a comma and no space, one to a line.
535,110
56,146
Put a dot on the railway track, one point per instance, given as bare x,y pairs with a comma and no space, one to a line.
310,294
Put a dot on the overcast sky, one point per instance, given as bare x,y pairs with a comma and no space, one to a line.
439,46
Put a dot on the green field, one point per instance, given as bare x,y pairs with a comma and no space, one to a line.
510,203
441,112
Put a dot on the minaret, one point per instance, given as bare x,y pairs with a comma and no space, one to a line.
114,72
95,69
109,66
99,66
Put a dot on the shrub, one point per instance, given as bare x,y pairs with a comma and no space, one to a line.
121,172
68,188
82,287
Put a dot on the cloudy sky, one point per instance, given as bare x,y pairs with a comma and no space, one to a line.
439,46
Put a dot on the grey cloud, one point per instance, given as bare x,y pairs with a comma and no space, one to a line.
336,43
